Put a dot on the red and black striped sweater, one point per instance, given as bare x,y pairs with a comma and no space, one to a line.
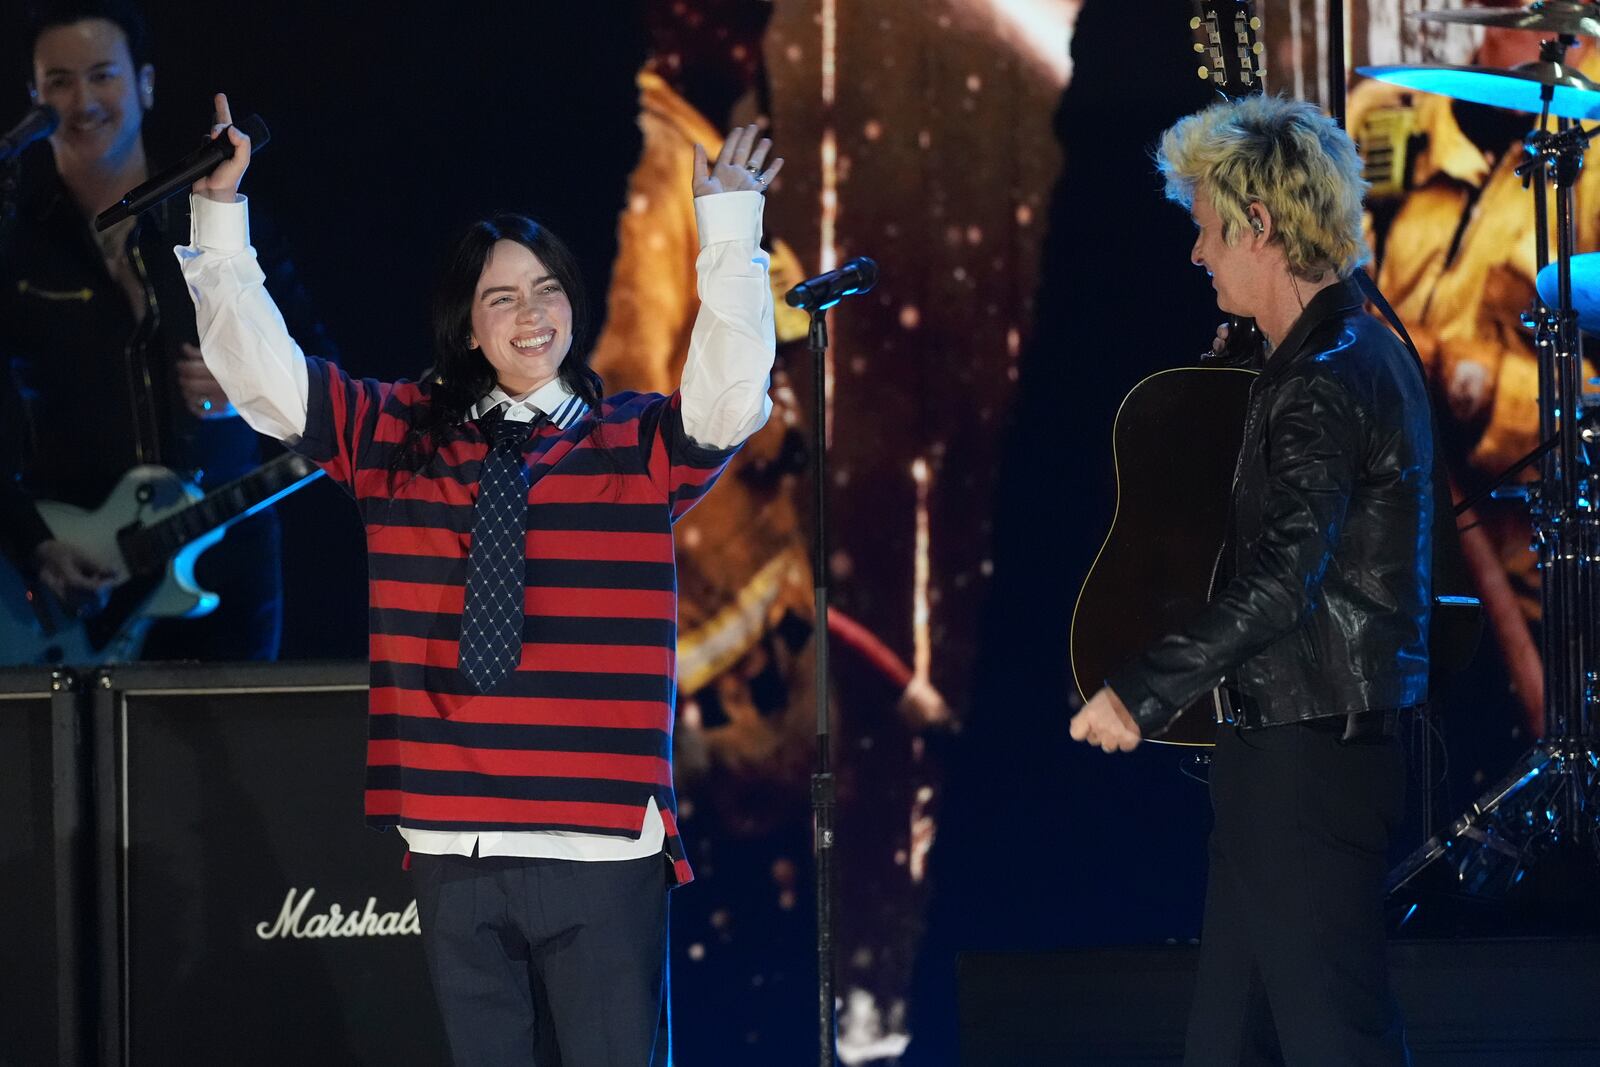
579,737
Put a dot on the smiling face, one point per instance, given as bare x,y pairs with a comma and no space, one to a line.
521,319
85,71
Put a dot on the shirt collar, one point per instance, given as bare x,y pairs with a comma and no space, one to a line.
553,398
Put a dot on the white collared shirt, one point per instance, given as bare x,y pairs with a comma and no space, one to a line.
553,398
723,394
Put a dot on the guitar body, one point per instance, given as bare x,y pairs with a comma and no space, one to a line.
49,633
1175,444
39,631
142,497
149,531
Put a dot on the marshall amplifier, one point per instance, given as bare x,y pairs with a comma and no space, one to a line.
44,855
257,919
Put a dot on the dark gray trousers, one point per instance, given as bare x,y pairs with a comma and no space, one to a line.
1293,963
556,963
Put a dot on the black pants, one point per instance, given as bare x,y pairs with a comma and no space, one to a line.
557,963
1293,965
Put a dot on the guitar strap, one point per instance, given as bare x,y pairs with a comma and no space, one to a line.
1449,647
1370,290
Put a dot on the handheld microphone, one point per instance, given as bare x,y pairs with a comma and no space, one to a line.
826,290
184,173
36,125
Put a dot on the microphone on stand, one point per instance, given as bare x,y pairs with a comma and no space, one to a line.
39,123
184,173
825,290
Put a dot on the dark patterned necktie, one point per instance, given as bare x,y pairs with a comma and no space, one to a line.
491,618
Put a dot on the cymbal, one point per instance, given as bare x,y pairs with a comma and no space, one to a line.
1585,289
1542,16
1517,89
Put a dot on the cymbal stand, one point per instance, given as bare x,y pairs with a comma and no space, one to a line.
1551,797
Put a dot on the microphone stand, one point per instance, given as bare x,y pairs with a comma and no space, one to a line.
822,784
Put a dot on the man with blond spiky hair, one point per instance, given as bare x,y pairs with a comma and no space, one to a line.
1322,633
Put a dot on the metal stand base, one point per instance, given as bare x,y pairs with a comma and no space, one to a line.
1549,799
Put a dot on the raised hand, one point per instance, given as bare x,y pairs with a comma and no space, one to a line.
223,183
739,164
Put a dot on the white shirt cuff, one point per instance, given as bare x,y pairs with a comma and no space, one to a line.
219,227
729,217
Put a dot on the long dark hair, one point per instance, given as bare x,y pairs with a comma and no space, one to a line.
461,376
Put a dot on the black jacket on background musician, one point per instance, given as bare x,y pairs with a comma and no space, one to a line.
1331,533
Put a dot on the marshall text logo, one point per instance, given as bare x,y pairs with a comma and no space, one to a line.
292,920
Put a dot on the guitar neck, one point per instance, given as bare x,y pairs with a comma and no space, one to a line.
1227,36
220,508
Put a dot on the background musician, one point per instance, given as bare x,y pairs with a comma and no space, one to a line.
102,359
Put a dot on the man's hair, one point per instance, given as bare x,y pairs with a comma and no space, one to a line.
1284,154
125,16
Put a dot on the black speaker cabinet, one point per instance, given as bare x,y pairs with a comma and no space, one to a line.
44,850
257,919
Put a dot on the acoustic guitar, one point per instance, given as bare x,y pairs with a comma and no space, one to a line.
1162,560
1175,444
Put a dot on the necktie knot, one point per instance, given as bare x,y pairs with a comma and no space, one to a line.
503,432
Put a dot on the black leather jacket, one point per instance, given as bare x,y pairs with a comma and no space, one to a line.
1327,613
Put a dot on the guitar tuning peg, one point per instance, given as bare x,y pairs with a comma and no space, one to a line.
1205,75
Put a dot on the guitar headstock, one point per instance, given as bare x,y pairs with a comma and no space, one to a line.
1226,36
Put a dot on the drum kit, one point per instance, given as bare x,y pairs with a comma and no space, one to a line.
1550,802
